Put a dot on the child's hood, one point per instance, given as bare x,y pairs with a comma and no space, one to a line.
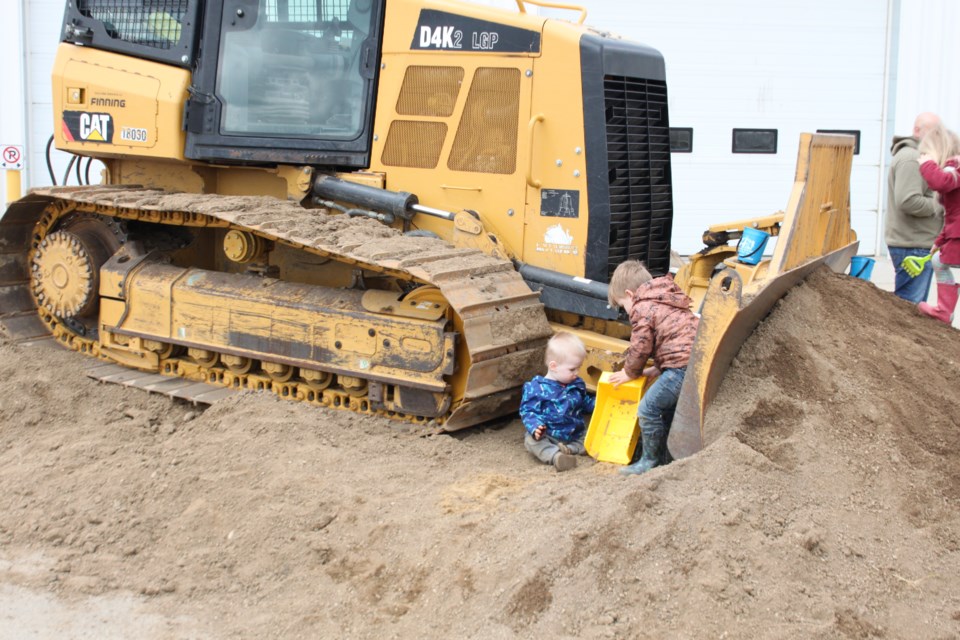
662,290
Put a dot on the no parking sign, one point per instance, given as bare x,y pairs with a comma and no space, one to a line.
11,157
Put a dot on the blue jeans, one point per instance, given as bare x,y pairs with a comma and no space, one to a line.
659,402
913,290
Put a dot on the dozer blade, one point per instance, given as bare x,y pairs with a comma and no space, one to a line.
815,231
725,324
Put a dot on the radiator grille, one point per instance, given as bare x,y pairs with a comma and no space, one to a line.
638,160
486,139
411,143
429,91
151,23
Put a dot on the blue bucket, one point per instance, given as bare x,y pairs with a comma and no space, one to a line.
861,267
751,245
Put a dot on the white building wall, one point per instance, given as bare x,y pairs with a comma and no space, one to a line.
11,79
44,19
923,75
928,68
793,65
27,111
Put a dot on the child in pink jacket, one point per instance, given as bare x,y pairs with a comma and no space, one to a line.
940,167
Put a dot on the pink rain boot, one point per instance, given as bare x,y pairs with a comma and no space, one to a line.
946,302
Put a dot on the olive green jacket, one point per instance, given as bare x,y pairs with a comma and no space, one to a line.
914,217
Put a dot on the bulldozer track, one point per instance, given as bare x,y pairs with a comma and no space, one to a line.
503,323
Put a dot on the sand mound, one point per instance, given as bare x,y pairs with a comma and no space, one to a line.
830,509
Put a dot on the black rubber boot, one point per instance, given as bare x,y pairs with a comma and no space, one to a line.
652,450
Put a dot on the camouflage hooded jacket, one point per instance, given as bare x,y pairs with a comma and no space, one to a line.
663,327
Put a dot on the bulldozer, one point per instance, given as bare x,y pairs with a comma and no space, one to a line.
385,206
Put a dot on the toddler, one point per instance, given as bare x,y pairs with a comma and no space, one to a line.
553,405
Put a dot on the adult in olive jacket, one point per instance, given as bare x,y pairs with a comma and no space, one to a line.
914,218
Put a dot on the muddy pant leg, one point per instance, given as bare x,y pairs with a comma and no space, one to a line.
656,413
543,449
576,447
665,457
660,402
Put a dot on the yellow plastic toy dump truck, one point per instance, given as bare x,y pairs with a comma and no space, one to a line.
385,206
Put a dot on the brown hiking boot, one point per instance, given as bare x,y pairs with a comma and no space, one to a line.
564,461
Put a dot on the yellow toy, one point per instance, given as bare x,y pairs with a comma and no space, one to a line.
613,432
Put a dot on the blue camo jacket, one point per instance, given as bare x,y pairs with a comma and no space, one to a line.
558,406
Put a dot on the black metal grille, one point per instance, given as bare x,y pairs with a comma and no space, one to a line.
151,23
638,161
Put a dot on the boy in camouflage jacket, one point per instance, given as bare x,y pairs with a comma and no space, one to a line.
663,328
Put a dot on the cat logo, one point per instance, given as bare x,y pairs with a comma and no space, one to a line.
83,126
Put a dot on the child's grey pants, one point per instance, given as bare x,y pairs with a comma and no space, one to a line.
545,449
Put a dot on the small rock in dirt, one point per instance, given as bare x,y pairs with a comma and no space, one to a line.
323,553
813,542
606,619
323,522
86,584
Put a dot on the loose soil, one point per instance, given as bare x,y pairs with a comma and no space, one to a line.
828,510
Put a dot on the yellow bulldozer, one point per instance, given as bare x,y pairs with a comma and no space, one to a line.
386,206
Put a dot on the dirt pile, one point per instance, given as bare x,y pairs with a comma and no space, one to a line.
831,509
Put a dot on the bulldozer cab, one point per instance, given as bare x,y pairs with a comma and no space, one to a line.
292,68
273,81
287,79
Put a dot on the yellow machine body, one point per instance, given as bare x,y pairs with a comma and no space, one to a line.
223,264
407,353
113,106
488,141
